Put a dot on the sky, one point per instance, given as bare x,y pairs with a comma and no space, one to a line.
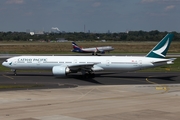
94,15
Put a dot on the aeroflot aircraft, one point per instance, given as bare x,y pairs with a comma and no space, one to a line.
93,50
63,65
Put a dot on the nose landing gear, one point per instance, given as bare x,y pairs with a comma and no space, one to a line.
14,70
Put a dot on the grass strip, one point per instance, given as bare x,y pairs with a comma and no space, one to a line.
19,86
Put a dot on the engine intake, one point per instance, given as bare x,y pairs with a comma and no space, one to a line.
60,70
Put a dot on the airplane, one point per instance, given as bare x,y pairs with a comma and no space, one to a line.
87,65
93,50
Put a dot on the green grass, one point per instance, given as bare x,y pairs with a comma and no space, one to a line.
19,86
66,47
2,68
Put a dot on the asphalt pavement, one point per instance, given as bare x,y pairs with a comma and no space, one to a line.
48,80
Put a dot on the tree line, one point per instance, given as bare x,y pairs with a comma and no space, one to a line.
81,36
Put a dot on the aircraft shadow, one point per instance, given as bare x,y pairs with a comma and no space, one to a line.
106,76
29,75
166,78
161,79
86,79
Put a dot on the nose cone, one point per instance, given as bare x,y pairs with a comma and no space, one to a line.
5,64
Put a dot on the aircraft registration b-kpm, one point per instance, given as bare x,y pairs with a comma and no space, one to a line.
93,50
87,65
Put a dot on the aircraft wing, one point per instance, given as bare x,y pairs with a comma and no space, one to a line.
81,66
85,67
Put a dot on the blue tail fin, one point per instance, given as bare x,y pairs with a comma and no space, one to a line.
75,45
160,50
76,48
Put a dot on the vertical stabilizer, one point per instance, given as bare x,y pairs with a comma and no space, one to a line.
160,50
75,45
76,48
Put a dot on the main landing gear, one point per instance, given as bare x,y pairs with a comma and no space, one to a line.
94,54
88,74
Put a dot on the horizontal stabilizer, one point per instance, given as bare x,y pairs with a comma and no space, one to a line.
168,61
171,61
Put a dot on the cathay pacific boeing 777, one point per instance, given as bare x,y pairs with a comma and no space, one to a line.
63,65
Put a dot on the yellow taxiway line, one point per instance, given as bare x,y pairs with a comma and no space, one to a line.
7,76
159,87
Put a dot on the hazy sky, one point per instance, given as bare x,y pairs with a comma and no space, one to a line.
96,15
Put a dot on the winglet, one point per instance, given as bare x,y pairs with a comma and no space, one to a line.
160,50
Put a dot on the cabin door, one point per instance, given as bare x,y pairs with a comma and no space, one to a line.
14,62
75,61
140,64
107,62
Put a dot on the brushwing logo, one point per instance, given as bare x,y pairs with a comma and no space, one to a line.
162,49
10,63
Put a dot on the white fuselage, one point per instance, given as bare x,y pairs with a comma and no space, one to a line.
117,63
98,49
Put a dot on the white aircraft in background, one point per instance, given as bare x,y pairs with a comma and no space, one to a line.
63,65
93,50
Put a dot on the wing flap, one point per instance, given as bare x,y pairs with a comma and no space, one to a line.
81,66
85,67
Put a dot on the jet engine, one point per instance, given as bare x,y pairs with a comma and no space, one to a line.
102,52
60,70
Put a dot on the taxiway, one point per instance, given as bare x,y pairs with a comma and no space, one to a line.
105,78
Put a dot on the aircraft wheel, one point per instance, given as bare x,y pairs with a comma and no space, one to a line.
15,73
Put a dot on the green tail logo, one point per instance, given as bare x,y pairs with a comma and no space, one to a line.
160,50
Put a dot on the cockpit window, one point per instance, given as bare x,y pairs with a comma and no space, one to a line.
6,60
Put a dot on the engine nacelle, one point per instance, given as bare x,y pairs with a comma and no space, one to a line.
60,70
102,52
